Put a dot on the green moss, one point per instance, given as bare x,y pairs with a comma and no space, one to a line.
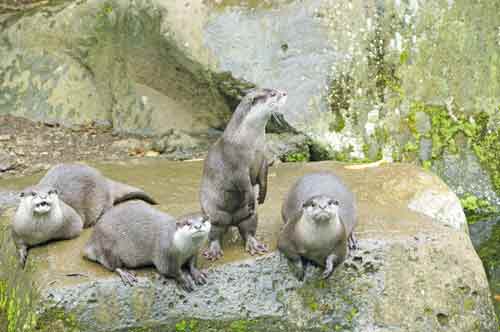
427,164
469,304
486,146
20,305
352,314
475,208
18,294
239,326
57,320
341,92
296,157
338,123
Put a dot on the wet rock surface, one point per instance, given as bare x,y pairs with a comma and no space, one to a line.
413,271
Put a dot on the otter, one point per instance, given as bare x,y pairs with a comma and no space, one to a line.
319,213
234,177
135,234
67,199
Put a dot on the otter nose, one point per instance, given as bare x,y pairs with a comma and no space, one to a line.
323,205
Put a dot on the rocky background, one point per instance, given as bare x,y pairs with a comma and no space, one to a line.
412,81
403,81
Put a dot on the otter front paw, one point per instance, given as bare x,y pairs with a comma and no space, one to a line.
352,242
128,278
214,252
255,247
23,256
185,283
331,262
199,277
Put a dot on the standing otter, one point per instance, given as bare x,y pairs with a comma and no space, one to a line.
134,234
319,215
67,199
235,172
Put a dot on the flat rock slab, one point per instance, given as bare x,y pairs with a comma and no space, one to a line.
415,270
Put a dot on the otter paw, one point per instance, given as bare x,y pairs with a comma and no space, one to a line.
128,278
23,256
185,283
326,274
199,277
352,242
214,252
255,247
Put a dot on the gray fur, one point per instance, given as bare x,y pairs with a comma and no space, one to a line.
235,172
328,245
134,234
32,228
84,194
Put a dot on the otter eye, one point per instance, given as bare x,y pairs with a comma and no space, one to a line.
313,204
22,194
273,93
188,224
52,192
334,202
33,193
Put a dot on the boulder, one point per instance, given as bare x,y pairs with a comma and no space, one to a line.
415,269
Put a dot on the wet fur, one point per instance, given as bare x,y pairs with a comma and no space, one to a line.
87,191
325,244
234,177
30,228
134,234
84,194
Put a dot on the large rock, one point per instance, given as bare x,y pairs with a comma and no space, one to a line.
415,270
106,62
151,65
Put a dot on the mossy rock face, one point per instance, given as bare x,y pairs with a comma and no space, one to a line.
107,61
408,90
412,236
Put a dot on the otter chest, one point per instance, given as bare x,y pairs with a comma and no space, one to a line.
37,229
318,238
185,246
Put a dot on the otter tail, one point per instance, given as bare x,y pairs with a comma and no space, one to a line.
121,192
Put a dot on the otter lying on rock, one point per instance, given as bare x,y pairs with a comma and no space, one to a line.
319,215
134,234
234,177
67,199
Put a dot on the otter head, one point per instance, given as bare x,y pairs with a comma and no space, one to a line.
38,200
195,227
255,109
321,209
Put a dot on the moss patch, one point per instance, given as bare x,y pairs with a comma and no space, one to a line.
476,209
487,148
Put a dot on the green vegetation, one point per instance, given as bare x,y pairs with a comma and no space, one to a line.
18,296
487,148
452,133
475,208
296,157
20,299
